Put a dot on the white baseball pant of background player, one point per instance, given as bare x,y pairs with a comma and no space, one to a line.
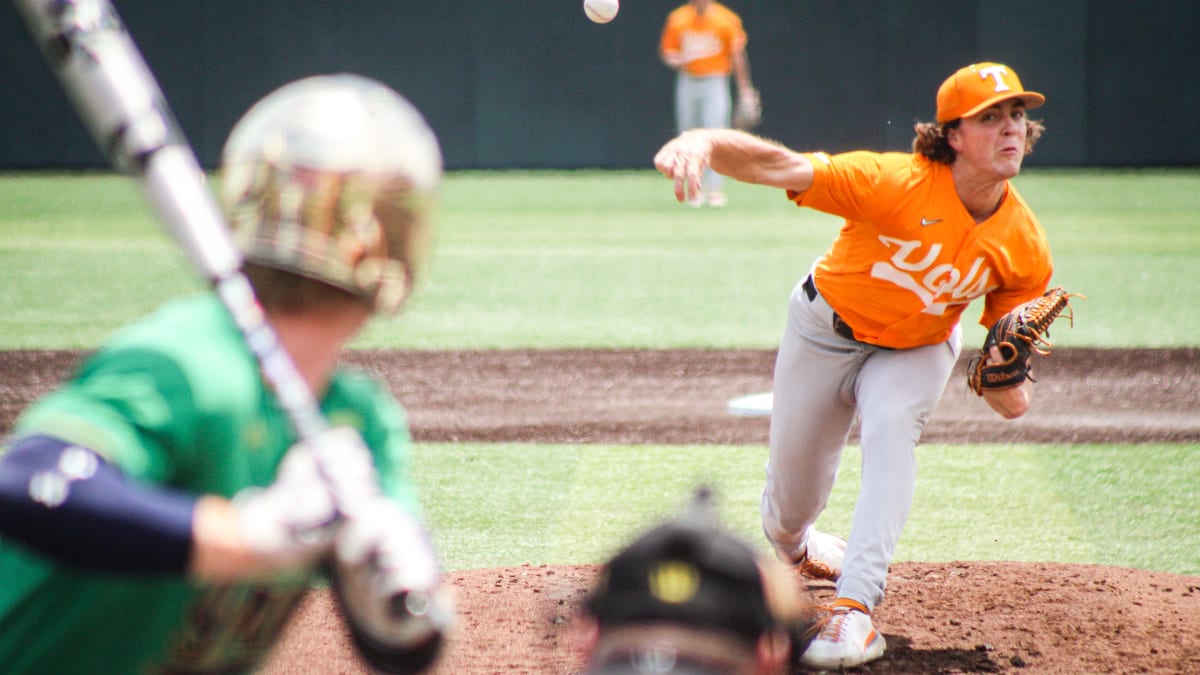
822,380
703,103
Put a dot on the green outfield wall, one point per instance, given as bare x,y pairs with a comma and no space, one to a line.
533,84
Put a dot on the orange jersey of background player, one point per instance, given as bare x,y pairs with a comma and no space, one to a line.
704,42
910,258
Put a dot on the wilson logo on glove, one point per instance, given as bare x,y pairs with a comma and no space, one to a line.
1018,335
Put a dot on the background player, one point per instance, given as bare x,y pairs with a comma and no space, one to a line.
703,41
154,517
873,331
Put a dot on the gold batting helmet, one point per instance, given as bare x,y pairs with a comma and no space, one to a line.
332,178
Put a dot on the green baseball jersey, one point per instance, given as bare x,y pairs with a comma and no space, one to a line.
175,400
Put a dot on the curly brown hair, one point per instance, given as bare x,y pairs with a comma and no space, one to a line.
932,142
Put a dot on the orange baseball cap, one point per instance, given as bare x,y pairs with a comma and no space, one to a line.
978,86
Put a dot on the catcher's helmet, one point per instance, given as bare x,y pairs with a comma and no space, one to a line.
331,177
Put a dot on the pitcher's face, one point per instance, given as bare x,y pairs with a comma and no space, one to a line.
992,141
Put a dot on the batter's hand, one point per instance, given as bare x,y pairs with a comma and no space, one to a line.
291,522
387,578
684,159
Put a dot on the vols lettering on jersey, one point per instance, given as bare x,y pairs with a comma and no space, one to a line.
925,256
705,41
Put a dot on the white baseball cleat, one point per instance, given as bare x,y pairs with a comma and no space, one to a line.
823,556
846,640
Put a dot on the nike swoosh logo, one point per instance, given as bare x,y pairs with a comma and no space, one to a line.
926,222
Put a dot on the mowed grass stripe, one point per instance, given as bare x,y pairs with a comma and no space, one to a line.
1129,505
607,259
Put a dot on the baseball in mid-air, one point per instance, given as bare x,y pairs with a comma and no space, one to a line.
601,11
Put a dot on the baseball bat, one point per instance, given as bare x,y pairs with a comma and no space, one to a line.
119,101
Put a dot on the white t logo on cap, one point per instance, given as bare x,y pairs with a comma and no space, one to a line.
997,73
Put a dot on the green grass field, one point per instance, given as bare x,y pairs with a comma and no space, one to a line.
607,259
1130,506
601,259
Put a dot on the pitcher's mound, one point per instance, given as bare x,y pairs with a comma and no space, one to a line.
960,617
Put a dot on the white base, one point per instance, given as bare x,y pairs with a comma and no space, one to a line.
751,405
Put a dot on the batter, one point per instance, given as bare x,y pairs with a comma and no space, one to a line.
873,330
156,513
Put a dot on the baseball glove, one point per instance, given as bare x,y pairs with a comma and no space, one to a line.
1025,330
747,112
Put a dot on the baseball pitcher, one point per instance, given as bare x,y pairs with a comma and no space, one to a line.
873,330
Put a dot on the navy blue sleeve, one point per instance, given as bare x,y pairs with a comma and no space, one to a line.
70,504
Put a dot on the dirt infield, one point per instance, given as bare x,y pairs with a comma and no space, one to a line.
951,617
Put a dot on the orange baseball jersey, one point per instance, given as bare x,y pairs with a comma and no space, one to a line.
910,258
706,41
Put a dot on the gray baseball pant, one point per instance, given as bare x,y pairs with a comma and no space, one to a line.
703,103
822,380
